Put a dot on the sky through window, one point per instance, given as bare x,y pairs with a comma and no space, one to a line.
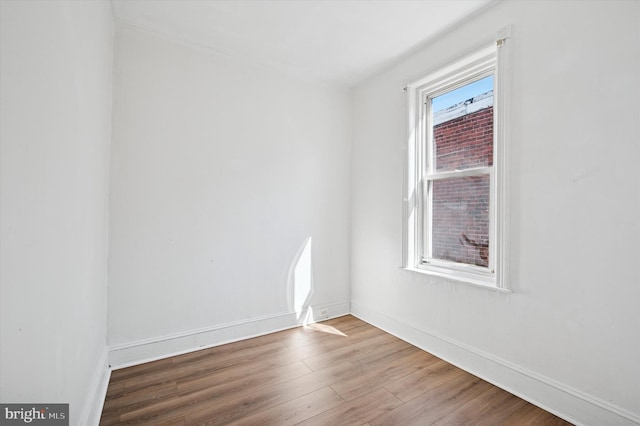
462,94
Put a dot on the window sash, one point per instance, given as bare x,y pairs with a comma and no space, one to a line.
480,68
426,242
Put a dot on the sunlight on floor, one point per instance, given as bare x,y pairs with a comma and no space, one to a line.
324,328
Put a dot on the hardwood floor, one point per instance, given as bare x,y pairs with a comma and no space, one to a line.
339,372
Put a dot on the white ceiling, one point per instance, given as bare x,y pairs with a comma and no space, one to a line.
337,41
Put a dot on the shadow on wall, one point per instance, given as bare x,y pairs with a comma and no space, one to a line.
300,283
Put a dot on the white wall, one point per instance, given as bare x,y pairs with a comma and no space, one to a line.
55,82
220,172
571,322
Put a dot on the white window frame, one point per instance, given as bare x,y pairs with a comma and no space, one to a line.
490,59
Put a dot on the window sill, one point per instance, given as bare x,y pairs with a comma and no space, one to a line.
458,278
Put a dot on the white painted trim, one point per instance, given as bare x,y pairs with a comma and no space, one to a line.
138,352
417,209
459,278
502,136
97,392
564,401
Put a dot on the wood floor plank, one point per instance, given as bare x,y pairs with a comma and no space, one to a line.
321,342
175,422
381,353
261,369
266,397
357,411
530,415
184,370
352,351
141,369
341,371
421,381
477,408
219,393
404,362
505,411
141,398
294,411
115,389
227,354
434,404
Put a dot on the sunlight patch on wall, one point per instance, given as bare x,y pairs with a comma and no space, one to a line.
302,277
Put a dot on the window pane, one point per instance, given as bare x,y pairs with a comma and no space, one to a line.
460,220
463,127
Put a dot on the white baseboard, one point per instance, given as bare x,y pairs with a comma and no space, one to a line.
562,400
134,353
97,392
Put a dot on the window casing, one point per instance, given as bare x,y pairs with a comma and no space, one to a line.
455,201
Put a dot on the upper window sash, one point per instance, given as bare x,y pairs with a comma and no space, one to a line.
484,67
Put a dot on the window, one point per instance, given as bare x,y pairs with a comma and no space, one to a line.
455,207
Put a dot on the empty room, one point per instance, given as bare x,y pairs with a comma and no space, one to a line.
281,212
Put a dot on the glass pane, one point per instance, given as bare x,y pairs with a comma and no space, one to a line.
463,127
460,220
